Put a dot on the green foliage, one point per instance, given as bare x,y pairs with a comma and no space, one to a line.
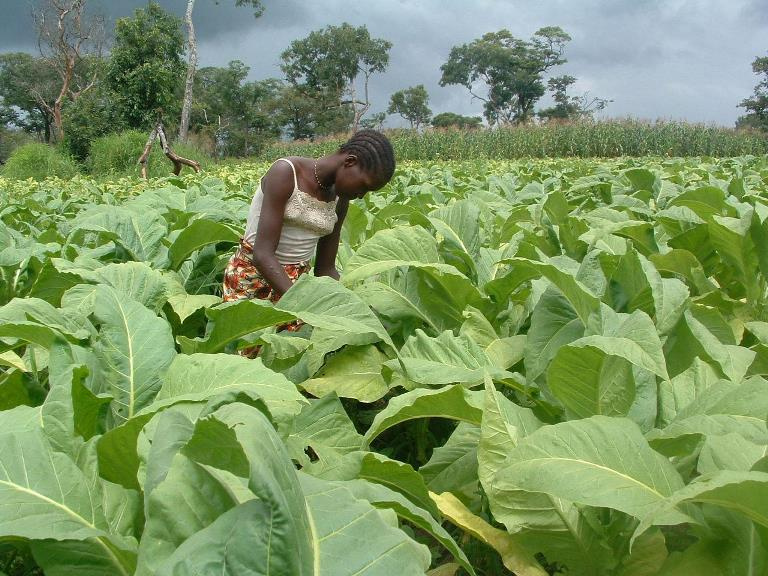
118,155
322,69
28,85
757,105
91,116
238,117
570,107
411,104
510,69
453,120
39,161
145,71
499,327
9,141
604,139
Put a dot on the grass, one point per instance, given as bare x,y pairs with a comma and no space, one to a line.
605,139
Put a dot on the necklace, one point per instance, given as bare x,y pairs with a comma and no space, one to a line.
323,189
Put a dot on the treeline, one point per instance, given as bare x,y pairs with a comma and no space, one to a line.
72,93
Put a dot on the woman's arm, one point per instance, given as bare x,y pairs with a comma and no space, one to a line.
277,187
328,246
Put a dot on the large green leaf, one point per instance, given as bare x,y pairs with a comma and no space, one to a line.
239,439
323,430
453,466
593,375
554,323
198,377
454,402
598,461
354,372
140,232
583,300
397,296
383,497
393,248
135,347
744,492
198,234
351,538
45,496
187,500
233,320
136,280
324,303
445,359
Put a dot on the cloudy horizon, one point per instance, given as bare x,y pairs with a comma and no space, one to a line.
673,60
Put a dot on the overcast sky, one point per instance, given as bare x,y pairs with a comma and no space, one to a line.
671,59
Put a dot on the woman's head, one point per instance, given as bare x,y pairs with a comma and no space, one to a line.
369,162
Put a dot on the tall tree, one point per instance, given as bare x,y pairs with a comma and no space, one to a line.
146,68
757,105
237,115
411,104
326,65
568,107
509,69
258,10
28,90
67,37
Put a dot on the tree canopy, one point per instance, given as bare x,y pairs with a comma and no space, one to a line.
146,69
757,104
325,65
509,70
411,104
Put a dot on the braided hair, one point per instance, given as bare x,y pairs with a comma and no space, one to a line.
374,153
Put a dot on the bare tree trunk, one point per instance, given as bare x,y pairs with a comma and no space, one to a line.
363,106
191,67
63,39
159,132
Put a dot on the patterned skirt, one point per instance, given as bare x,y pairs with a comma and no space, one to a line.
243,281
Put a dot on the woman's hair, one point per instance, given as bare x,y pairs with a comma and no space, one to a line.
373,151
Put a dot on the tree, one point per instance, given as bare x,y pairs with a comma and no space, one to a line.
28,91
757,105
374,121
306,113
411,104
570,107
326,64
453,120
511,70
67,38
145,68
258,10
238,116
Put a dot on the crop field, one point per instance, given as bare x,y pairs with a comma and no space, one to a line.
531,367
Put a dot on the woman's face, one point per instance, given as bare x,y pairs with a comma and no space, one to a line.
353,182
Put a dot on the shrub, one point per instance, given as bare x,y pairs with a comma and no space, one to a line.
39,161
118,155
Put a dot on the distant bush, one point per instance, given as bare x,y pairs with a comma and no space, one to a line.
39,161
10,140
118,155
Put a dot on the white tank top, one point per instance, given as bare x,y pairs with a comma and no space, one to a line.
306,220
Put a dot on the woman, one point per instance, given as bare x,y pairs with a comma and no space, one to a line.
298,211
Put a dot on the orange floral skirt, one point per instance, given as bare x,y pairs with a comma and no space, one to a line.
243,281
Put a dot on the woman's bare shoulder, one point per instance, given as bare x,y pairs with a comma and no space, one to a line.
278,181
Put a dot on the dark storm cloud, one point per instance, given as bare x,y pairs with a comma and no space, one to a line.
672,59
